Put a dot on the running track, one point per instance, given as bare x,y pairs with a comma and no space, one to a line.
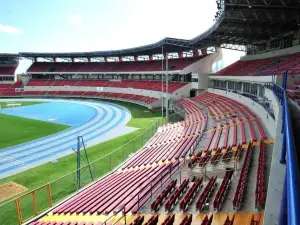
107,121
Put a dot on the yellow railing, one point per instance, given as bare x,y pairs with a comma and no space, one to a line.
35,206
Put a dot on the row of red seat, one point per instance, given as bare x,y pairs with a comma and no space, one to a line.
187,220
169,220
220,196
136,84
122,191
7,70
192,111
212,134
153,220
260,178
215,156
111,95
260,67
126,66
227,154
216,144
252,132
190,194
138,221
207,220
204,159
171,141
234,137
176,195
68,223
169,148
9,89
225,141
238,195
222,105
228,221
200,204
163,195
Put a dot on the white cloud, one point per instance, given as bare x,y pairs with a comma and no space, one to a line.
9,29
75,19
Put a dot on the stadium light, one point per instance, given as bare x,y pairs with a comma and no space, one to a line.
162,85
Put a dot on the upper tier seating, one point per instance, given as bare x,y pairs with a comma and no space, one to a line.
293,91
260,67
134,66
9,70
137,84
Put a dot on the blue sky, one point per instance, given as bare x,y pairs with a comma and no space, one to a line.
82,25
92,25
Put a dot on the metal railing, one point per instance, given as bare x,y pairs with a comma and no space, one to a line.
290,204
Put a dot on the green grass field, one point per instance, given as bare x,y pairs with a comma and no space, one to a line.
4,105
16,130
141,118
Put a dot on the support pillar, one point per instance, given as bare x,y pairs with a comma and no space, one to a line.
151,57
196,52
73,60
203,52
136,58
180,54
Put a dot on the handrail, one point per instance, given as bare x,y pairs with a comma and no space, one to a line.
290,194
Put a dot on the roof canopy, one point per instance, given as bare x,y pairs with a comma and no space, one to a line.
238,22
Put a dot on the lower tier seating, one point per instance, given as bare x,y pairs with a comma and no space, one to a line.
176,195
121,194
136,84
239,191
260,178
220,196
205,194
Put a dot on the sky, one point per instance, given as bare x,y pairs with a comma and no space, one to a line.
95,25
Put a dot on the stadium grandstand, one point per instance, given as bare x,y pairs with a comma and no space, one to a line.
231,158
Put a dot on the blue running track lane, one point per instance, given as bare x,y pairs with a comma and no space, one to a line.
95,121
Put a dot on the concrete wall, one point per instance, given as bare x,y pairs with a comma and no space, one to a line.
203,66
268,122
273,104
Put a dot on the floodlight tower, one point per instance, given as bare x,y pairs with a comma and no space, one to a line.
162,85
84,159
167,89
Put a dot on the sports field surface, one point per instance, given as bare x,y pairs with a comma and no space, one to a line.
15,130
141,118
95,121
14,104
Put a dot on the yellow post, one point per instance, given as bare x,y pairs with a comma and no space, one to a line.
35,208
49,195
19,215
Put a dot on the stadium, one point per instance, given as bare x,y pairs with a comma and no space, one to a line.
158,134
